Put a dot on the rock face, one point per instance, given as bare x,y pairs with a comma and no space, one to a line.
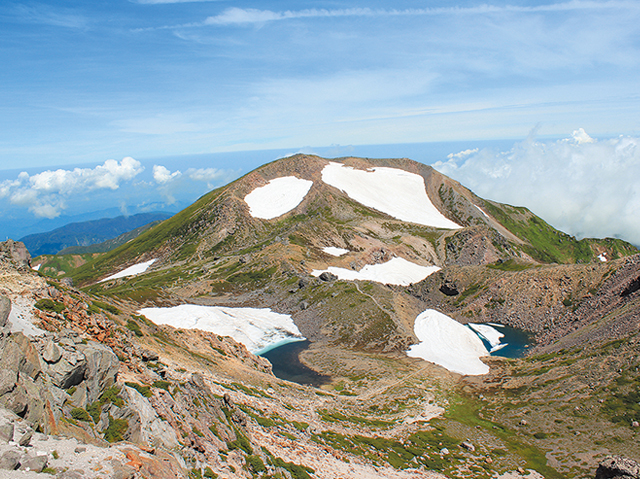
5,309
618,467
15,253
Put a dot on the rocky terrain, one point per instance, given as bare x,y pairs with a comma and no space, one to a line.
91,388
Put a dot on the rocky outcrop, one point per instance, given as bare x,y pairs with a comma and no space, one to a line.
618,467
15,253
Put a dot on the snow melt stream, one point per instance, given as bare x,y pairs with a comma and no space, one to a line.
277,197
395,192
256,328
446,342
396,271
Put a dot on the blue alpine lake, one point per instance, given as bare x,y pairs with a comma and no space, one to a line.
286,363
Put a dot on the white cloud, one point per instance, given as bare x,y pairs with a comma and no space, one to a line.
245,16
206,174
162,175
585,187
45,193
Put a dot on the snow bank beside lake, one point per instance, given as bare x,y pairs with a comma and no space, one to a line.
491,335
256,328
277,197
396,271
131,270
395,192
449,344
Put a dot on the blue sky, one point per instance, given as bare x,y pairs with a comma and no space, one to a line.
88,81
82,83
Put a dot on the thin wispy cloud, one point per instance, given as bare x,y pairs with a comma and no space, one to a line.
47,15
240,16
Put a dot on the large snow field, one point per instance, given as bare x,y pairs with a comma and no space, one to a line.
446,342
131,270
491,335
395,192
277,197
335,251
256,328
396,271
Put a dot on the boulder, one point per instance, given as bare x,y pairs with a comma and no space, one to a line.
34,463
327,276
10,460
5,309
21,356
69,370
618,467
102,365
8,381
51,353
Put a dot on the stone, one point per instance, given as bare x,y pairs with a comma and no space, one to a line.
8,381
6,432
149,355
523,422
51,353
80,449
327,276
618,467
10,460
444,451
304,305
34,463
635,424
468,446
25,438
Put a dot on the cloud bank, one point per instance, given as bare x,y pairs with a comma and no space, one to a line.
580,185
45,194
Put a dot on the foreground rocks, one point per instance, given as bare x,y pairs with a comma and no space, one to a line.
618,467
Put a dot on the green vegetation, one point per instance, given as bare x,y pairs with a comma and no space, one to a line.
161,384
548,245
116,429
134,327
296,471
241,442
144,390
80,414
510,265
256,465
50,305
106,307
109,395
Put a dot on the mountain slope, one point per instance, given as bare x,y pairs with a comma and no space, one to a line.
87,233
355,275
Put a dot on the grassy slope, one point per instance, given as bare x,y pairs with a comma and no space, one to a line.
548,245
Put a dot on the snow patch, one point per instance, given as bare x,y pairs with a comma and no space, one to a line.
334,251
449,344
256,328
277,197
21,317
603,257
491,335
395,192
396,271
36,267
131,270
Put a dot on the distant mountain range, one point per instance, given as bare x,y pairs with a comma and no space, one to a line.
79,237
